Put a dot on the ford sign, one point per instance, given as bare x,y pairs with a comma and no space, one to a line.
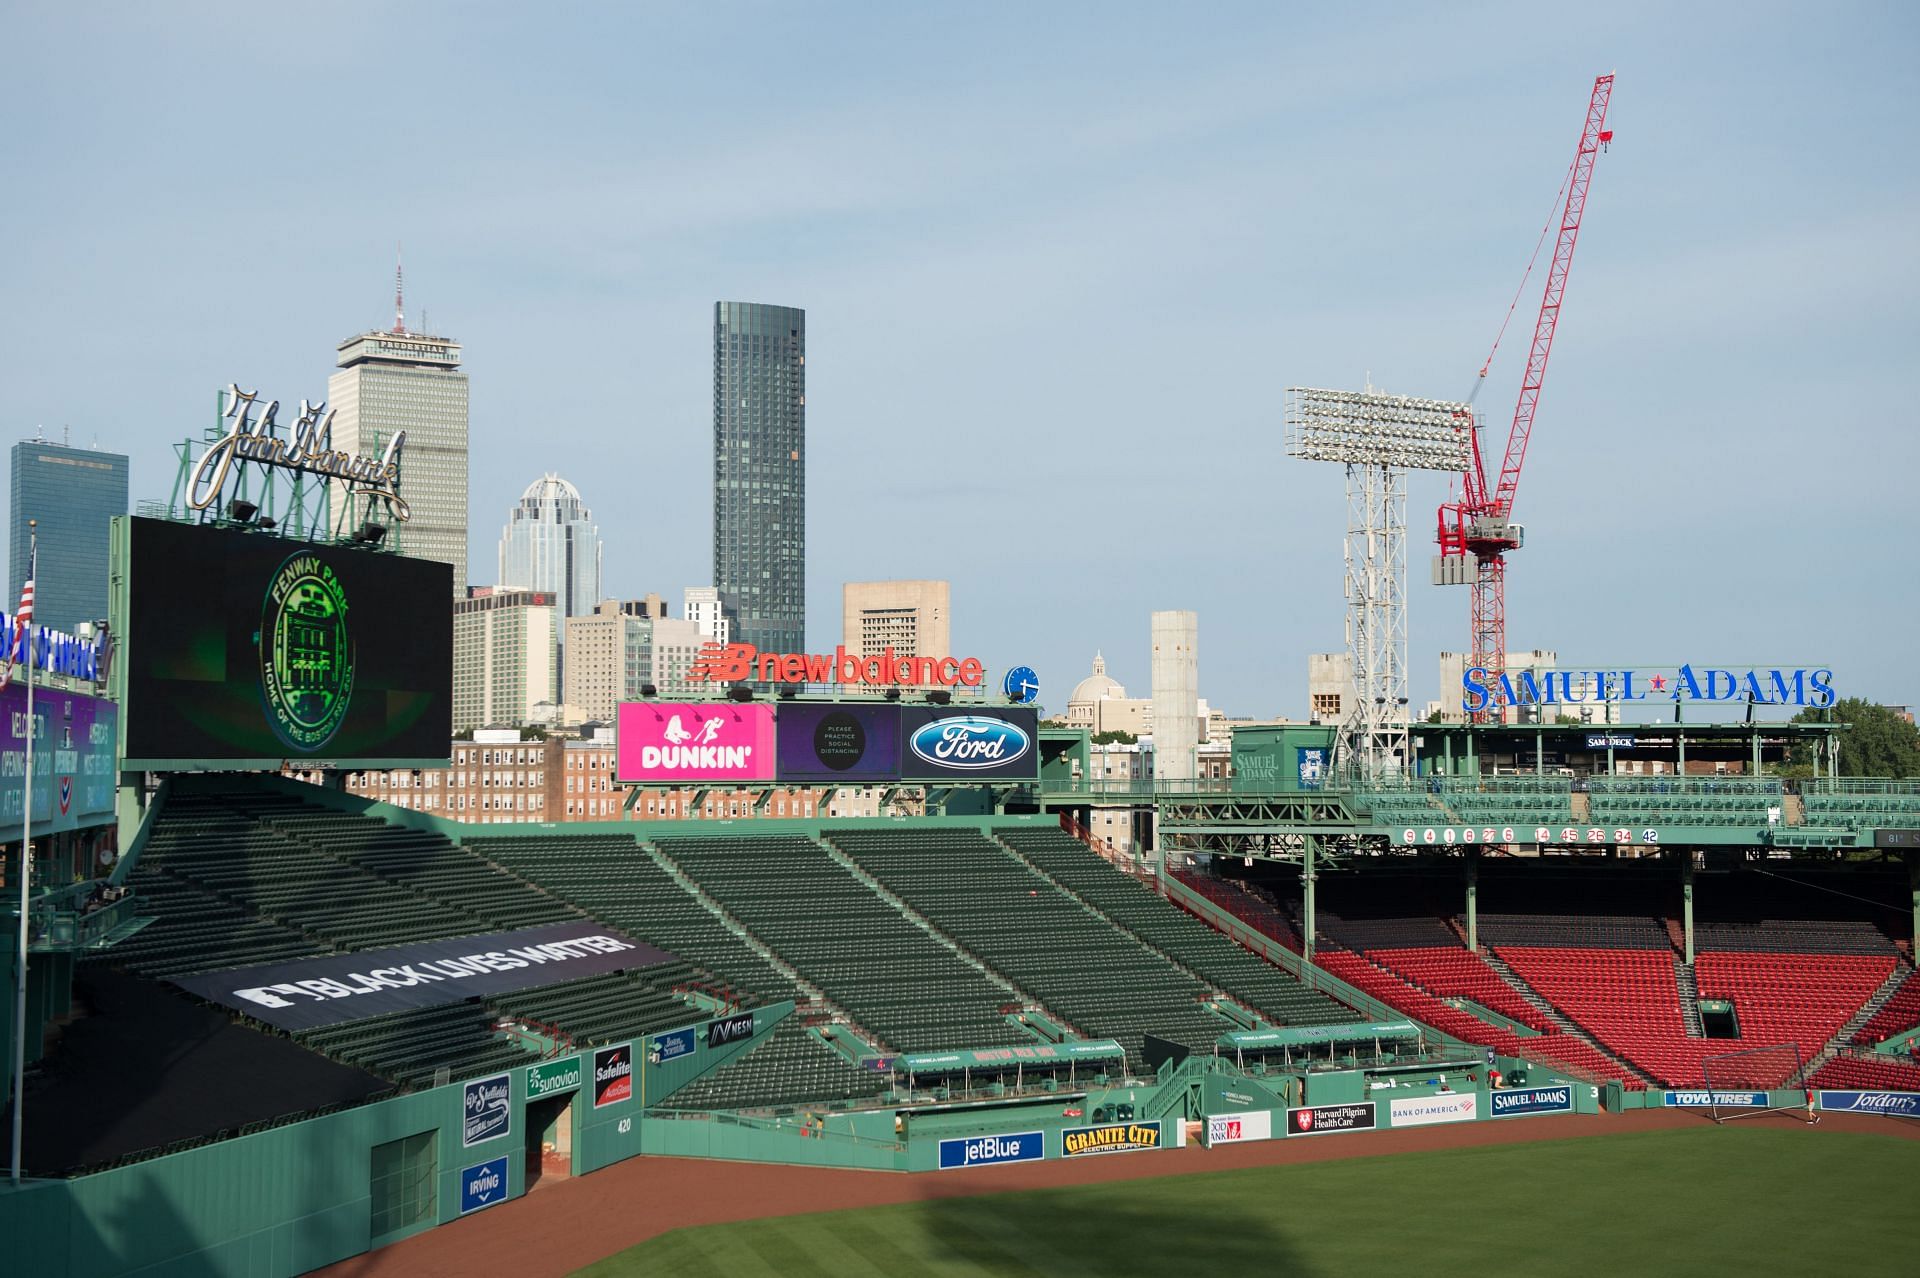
970,743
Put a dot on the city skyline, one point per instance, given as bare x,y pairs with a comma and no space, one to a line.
1028,339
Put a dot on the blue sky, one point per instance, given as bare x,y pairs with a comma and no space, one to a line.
1059,262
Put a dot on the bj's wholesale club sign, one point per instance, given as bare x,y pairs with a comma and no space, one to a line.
612,1075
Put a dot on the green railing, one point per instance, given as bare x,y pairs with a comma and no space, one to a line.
1896,789
1149,788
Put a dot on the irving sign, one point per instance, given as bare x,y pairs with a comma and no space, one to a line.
740,662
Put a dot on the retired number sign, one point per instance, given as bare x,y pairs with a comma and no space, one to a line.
1448,835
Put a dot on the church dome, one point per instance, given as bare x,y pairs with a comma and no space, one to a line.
1097,686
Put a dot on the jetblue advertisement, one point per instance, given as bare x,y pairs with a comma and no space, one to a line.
837,743
940,743
984,1151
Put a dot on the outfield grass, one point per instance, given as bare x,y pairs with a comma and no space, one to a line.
1733,1200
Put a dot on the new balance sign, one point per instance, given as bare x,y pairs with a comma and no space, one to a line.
1898,1104
1531,1100
983,1151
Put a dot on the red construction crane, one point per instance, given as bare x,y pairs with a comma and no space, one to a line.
1477,532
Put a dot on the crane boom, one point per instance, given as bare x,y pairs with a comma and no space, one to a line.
1477,532
1591,137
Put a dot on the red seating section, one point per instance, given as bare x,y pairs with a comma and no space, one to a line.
1457,973
1629,1000
1562,1049
1901,1014
1244,904
1885,1074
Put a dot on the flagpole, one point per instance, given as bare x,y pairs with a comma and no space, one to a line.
26,861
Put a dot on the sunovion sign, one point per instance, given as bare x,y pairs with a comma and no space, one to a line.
743,663
669,742
1803,686
982,745
333,988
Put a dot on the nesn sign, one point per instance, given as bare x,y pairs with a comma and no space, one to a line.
981,1151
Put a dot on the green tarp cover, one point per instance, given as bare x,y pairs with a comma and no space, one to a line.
1320,1035
1008,1057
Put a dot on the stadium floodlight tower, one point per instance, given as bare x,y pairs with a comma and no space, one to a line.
1378,438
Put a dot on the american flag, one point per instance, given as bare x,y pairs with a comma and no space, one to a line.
22,619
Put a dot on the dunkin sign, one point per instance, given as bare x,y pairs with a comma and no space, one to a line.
669,742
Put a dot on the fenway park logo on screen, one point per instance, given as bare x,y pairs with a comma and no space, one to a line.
306,652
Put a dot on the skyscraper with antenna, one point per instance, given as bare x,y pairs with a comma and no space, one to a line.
400,380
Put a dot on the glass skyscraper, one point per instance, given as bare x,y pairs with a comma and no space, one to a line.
550,544
73,493
398,381
760,472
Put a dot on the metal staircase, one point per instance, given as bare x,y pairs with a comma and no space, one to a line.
1689,998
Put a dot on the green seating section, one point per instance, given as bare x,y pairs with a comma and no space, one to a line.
195,931
1642,801
610,1008
1103,982
425,862
613,877
1863,805
1401,807
1504,801
1269,990
411,1047
903,985
205,840
793,1066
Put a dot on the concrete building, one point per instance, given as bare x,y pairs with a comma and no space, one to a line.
760,472
73,494
550,544
1330,687
506,656
402,381
1176,695
701,606
621,648
1100,704
908,616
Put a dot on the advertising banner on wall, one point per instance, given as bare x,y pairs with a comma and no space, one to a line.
1316,1120
73,768
939,743
332,988
671,742
612,1075
1897,1104
838,742
250,650
984,1151
1110,1138
1424,1111
1228,1129
1513,1102
483,1184
487,1110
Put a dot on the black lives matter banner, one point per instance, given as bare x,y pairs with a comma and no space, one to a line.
349,987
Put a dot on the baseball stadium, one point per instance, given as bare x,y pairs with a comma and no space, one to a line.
1562,995
1595,970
